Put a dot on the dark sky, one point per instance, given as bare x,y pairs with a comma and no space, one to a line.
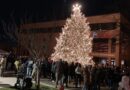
52,9
46,10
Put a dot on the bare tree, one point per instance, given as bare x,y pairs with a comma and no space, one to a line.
37,45
32,41
34,45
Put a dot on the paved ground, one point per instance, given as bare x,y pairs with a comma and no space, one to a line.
10,81
7,81
48,82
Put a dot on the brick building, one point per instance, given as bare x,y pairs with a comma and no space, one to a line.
110,32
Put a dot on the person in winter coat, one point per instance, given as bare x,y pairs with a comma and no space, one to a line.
59,72
125,83
87,79
29,67
53,69
78,72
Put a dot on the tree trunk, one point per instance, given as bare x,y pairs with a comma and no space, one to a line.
37,79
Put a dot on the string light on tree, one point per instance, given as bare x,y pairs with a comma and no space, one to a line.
75,42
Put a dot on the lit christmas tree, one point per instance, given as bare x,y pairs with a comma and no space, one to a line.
75,42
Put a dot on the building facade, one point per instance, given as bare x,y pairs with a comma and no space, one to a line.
110,44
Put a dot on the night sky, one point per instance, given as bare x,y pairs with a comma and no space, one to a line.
53,9
47,10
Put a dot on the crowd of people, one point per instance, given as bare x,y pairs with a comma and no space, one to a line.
90,77
87,77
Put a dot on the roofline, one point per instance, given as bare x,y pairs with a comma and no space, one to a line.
106,18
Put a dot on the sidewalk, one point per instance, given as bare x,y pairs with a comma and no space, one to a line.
10,81
7,81
49,83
